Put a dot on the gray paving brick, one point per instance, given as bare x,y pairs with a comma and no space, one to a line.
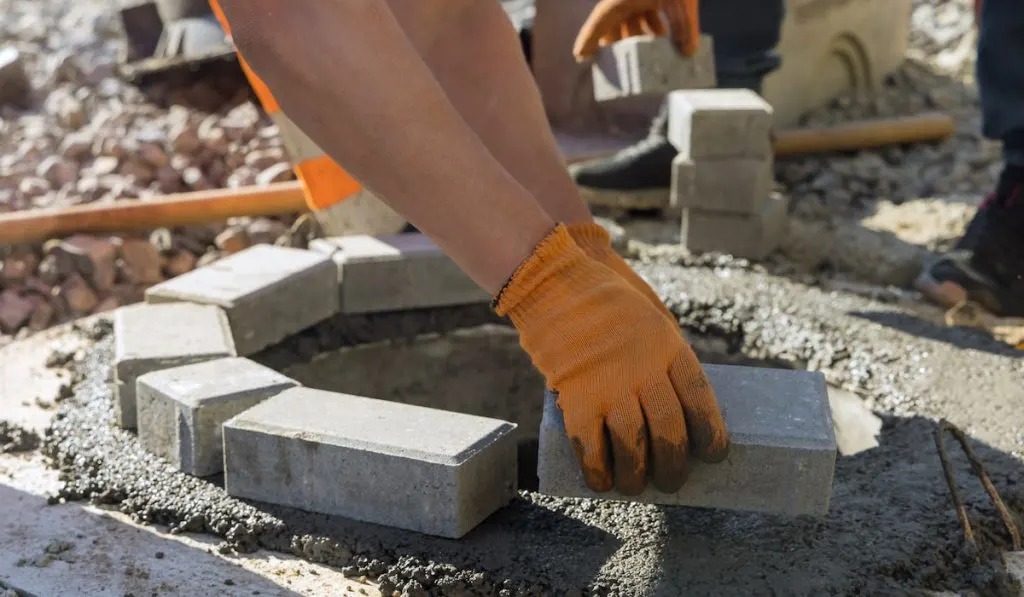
650,65
154,337
268,292
739,186
749,237
415,468
397,272
781,456
181,410
719,123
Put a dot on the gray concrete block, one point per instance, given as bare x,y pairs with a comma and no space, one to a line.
738,186
415,468
650,65
268,292
154,337
397,272
181,410
781,456
719,123
749,237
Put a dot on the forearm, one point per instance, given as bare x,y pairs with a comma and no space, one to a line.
474,53
347,75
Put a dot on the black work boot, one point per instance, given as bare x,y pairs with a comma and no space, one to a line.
637,177
987,264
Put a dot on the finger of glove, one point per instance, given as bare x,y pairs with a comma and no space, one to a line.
632,26
609,39
628,433
683,24
590,443
603,20
652,23
669,458
704,421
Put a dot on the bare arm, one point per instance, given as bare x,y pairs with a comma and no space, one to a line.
347,75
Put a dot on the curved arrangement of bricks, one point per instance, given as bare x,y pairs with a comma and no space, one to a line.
183,380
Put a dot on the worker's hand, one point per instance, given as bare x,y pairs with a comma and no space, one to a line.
613,20
634,398
597,243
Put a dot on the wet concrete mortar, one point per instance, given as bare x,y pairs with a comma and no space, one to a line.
891,530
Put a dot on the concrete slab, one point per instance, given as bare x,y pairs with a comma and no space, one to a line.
181,410
738,186
749,237
73,549
415,468
268,292
781,457
154,337
650,65
719,123
397,272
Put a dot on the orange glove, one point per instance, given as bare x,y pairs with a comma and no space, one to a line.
597,243
631,390
613,20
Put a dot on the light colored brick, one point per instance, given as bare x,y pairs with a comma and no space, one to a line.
738,186
650,65
749,237
181,410
268,292
397,272
415,468
719,123
153,337
782,448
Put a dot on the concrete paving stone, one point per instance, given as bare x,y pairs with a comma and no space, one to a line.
719,123
154,337
738,186
650,65
268,292
397,272
748,237
420,469
181,410
782,448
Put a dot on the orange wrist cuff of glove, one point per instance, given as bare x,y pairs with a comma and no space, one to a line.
590,236
553,255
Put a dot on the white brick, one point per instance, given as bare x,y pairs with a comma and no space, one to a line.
415,468
650,65
397,272
154,337
719,123
181,410
749,237
268,292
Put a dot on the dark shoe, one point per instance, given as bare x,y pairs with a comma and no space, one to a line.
638,177
987,264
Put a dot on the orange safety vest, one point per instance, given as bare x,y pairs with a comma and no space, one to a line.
324,182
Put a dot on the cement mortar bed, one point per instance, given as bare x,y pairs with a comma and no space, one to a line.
891,530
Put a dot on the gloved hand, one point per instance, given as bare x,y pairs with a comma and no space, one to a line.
613,20
634,398
597,243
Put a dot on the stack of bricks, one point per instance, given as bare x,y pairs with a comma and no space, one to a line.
723,176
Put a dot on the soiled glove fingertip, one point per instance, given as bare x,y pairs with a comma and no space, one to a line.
715,452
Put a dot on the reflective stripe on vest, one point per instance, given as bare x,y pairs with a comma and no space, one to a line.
325,183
